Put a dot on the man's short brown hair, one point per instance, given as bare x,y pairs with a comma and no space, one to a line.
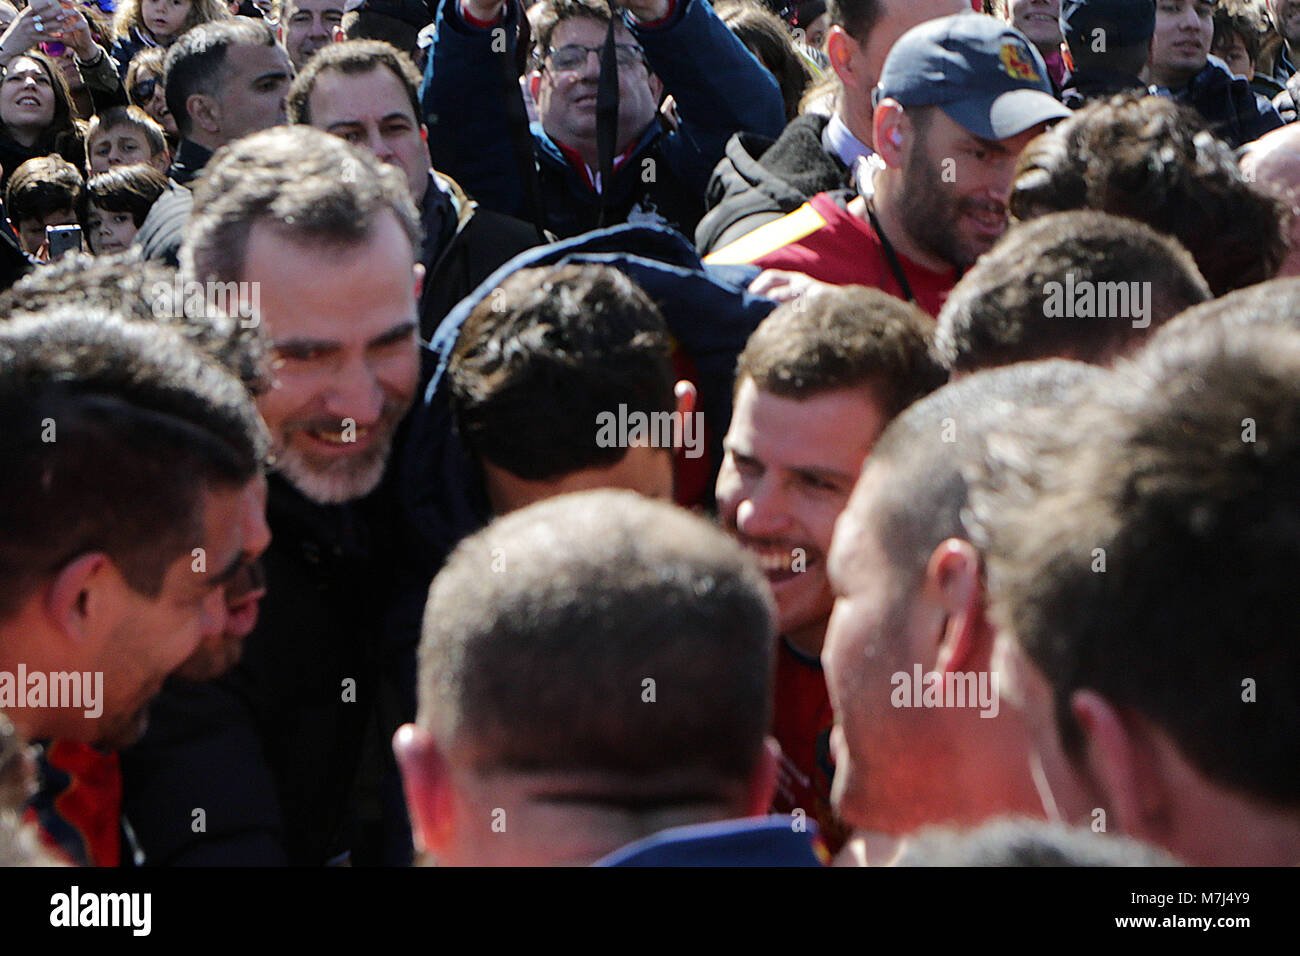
845,337
627,640
352,58
1143,545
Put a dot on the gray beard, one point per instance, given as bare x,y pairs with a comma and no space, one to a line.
339,481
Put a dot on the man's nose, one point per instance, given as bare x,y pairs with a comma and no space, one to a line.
763,512
357,394
379,146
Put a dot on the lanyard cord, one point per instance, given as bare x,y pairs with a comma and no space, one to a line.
891,257
607,115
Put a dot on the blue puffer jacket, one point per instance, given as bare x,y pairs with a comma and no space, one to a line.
718,86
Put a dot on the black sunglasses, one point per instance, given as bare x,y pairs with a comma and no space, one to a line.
144,89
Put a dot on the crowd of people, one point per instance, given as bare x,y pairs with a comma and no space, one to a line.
657,433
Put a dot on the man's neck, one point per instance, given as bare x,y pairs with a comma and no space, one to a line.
849,117
591,831
209,141
888,208
1174,81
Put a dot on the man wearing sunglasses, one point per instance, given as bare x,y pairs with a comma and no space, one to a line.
678,47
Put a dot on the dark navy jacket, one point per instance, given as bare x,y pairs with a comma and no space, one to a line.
709,314
1232,110
718,86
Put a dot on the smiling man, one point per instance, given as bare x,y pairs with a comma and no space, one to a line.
309,25
367,92
816,385
959,98
1181,67
327,237
679,47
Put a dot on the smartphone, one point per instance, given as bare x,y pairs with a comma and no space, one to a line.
62,240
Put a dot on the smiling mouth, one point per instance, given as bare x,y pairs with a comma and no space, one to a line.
27,101
355,440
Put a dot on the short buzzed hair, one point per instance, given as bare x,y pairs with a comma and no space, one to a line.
1018,302
352,58
1142,545
928,450
601,633
304,182
857,17
111,432
196,62
846,337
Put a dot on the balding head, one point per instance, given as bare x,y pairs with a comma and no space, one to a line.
1273,162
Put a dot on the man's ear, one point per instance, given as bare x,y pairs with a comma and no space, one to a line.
426,780
656,86
338,34
161,161
534,83
840,50
1066,56
418,272
77,597
762,785
1124,765
687,397
891,132
424,134
953,580
204,112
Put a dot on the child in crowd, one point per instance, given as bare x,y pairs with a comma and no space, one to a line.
140,24
45,191
116,203
122,136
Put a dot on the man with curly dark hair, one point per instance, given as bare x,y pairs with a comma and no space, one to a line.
1152,160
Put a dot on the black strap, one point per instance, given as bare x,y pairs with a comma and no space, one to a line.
607,114
891,257
521,137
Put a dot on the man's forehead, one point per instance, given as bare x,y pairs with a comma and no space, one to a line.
338,97
585,30
246,59
293,6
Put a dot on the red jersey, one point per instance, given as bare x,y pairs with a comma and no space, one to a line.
79,803
801,723
822,239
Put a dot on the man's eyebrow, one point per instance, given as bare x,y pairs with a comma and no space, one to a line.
395,334
303,344
991,144
273,75
825,474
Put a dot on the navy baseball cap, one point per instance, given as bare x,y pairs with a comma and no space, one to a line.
983,73
1123,23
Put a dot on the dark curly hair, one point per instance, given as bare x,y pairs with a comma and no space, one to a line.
1153,160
